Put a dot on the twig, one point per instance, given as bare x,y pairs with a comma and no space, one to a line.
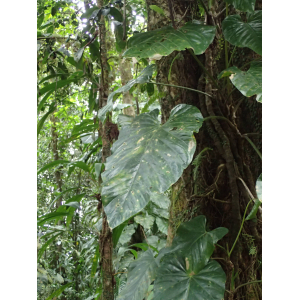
251,282
240,229
181,87
171,13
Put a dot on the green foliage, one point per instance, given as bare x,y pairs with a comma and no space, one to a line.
186,269
145,160
179,278
244,34
145,76
137,177
140,274
248,83
243,5
165,40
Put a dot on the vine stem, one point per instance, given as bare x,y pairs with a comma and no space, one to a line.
252,144
242,135
240,229
181,87
231,57
203,68
226,57
251,282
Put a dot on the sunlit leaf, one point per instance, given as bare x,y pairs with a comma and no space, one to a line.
165,40
147,158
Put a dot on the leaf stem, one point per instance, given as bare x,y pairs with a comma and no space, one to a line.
231,57
181,87
226,57
253,146
203,68
240,229
251,282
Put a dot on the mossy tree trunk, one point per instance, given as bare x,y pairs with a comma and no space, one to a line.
215,184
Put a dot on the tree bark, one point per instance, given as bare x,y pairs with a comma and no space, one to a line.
125,72
216,188
105,240
57,178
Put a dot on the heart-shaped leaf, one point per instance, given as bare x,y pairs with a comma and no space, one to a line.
147,157
141,273
163,41
193,241
178,279
248,83
242,34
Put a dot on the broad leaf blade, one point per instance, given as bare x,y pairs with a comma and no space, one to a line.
147,157
164,41
241,34
141,273
177,279
193,241
248,83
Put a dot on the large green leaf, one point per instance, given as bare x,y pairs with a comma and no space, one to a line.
248,83
147,157
243,5
194,242
177,279
145,76
163,41
141,273
242,34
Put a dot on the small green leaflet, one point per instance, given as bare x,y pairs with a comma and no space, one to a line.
157,9
78,54
254,210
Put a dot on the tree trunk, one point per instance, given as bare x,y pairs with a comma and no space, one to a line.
214,185
125,72
105,240
58,180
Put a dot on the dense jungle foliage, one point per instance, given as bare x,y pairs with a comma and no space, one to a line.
149,149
